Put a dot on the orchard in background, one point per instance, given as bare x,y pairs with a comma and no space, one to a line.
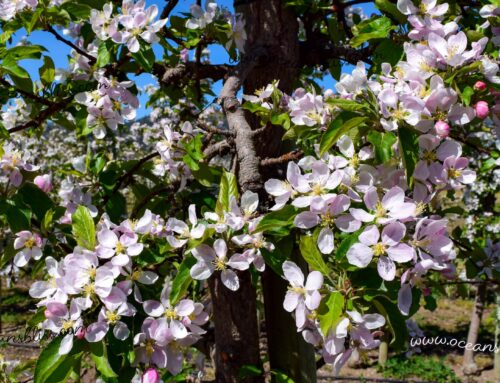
254,199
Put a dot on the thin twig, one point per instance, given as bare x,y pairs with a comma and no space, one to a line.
125,178
168,8
91,58
42,116
214,130
25,94
291,156
149,197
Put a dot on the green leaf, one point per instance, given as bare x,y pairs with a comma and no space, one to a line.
84,228
228,188
466,94
335,69
54,368
281,377
47,71
77,10
182,280
382,143
330,311
395,320
311,254
10,65
35,198
377,27
145,57
249,370
23,52
47,221
391,9
337,128
386,52
278,223
347,105
4,133
408,141
18,218
103,54
99,354
282,251
346,244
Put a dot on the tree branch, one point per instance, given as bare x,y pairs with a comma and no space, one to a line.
248,162
214,130
291,156
149,197
168,8
187,71
25,94
50,29
42,116
127,177
217,149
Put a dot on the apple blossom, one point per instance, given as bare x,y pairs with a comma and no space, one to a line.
44,182
482,109
30,245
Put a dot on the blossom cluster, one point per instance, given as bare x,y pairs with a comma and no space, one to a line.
353,330
134,23
109,105
237,229
169,147
89,293
201,18
13,161
392,231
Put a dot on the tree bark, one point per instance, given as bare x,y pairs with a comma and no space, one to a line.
236,330
272,27
469,366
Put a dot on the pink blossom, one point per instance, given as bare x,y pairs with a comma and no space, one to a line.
151,375
391,207
31,245
214,259
44,182
327,213
482,109
389,250
442,129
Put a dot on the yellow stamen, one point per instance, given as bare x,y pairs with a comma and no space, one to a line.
378,249
112,317
454,173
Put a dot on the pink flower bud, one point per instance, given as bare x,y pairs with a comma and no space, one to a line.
480,85
442,129
482,109
426,291
80,333
151,376
44,182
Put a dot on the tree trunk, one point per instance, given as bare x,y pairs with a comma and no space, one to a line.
272,26
236,330
497,339
288,352
469,366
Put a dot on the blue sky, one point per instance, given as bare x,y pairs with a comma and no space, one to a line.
59,51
